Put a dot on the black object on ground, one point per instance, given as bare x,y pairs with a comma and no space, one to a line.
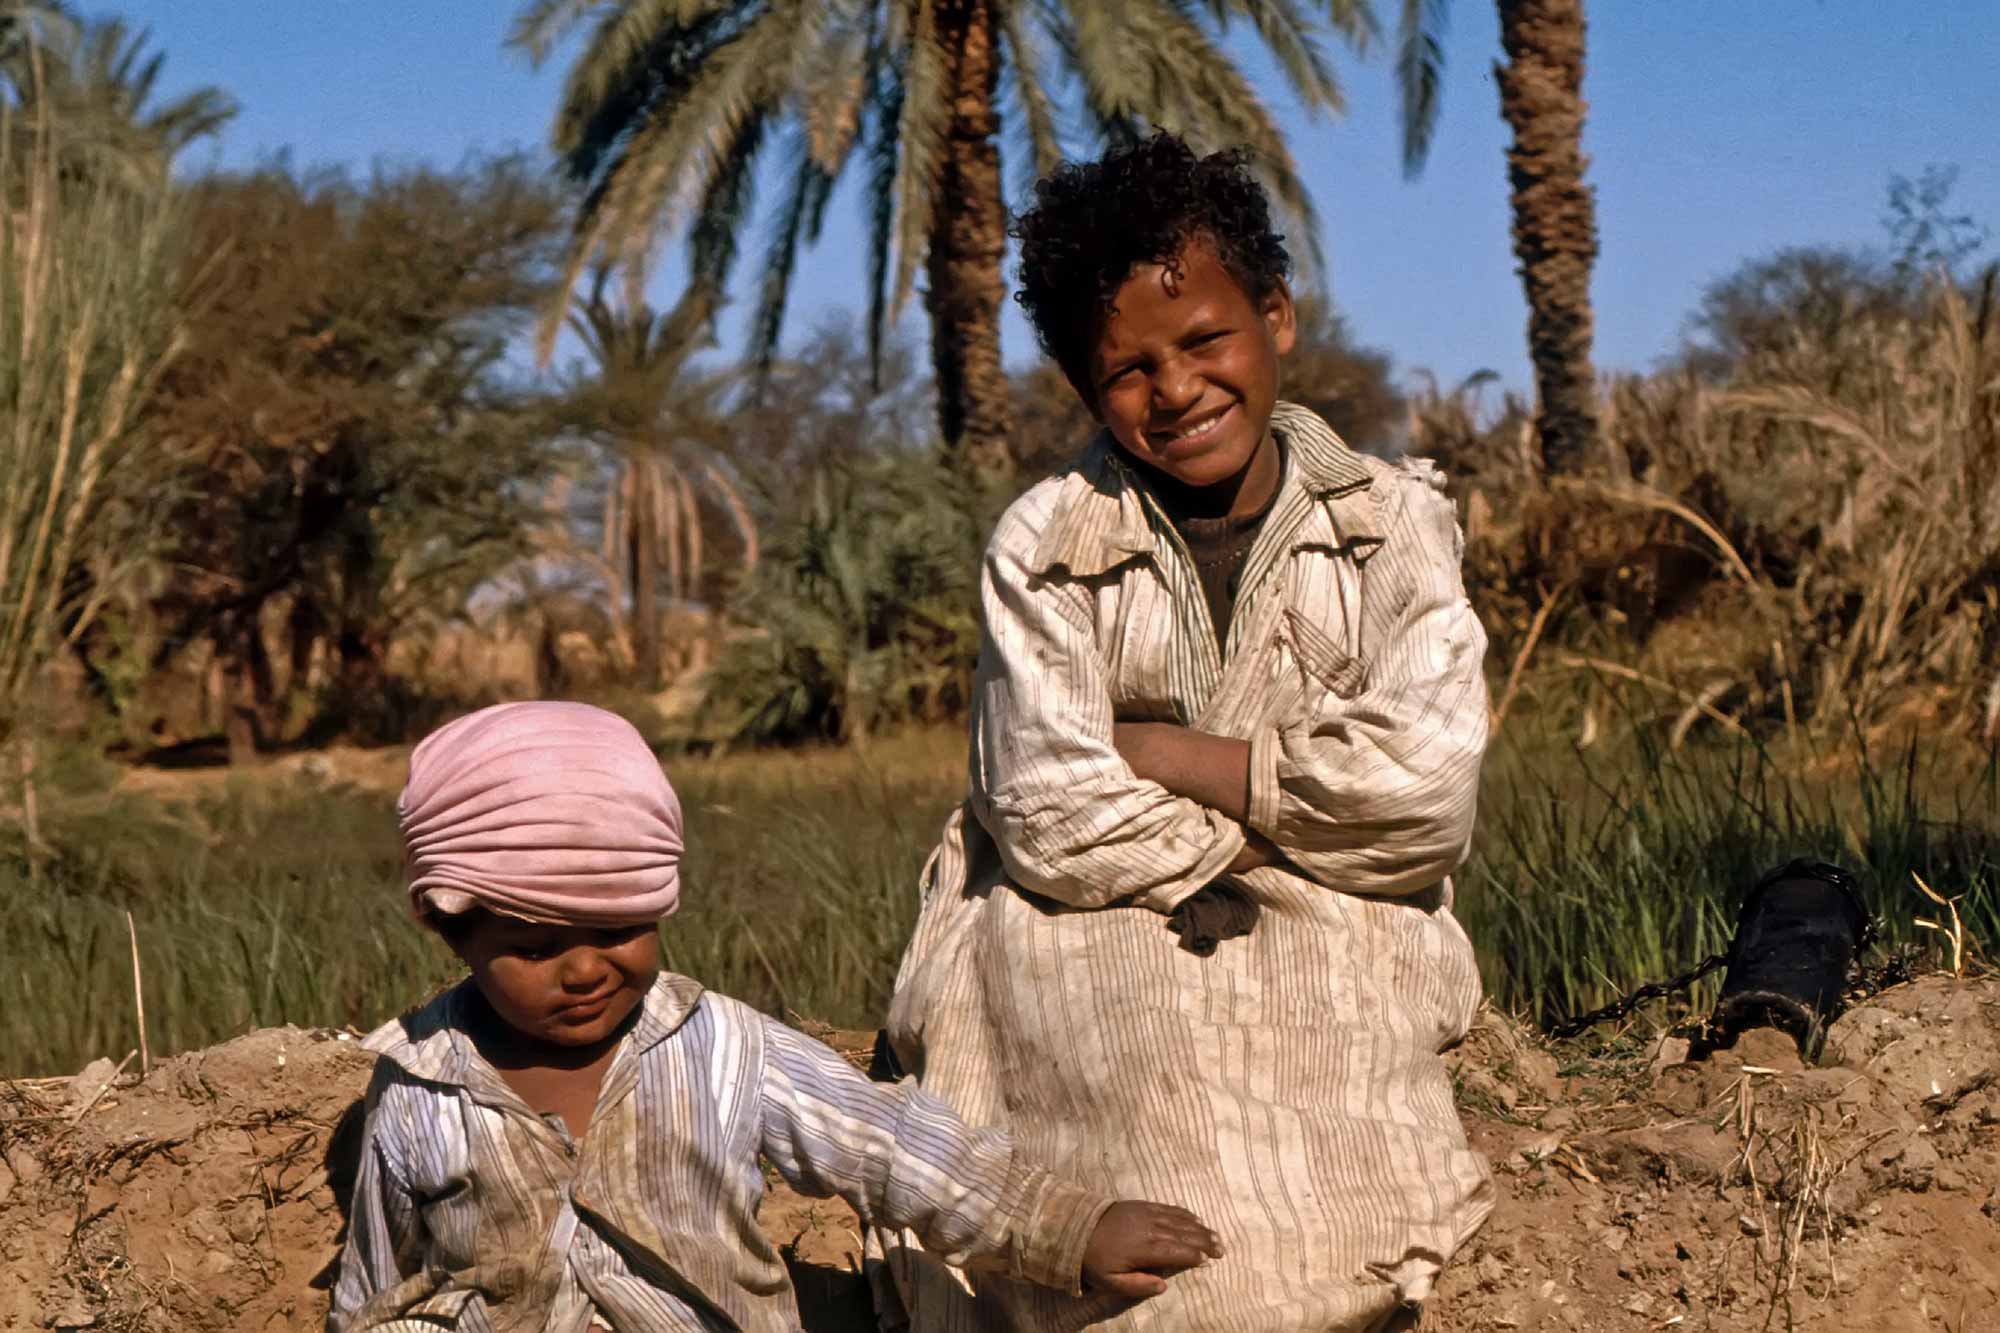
1799,932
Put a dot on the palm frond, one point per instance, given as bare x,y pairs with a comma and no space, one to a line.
604,100
628,41
681,332
1354,21
920,164
715,234
832,76
1090,38
1197,90
198,115
683,148
682,151
1288,32
540,27
804,201
1037,107
26,25
1420,76
880,203
97,79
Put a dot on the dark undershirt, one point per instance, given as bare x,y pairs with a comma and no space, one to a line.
1219,547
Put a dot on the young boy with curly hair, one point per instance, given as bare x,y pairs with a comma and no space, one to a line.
572,1138
1190,935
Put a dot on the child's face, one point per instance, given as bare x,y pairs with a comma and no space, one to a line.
561,985
1185,371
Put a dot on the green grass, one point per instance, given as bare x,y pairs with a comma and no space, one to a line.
1594,872
268,902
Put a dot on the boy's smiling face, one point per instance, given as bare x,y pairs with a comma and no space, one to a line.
1184,372
559,985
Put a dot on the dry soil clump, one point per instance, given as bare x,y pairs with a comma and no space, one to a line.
1635,1191
1745,1191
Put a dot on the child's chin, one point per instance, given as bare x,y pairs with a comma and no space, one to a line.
1213,467
583,1029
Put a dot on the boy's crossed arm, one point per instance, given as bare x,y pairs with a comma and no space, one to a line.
1372,794
903,1159
1210,770
1072,818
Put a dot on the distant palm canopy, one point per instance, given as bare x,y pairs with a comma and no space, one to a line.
91,87
671,107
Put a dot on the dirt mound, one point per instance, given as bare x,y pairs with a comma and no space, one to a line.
202,1197
1637,1191
1745,1191
211,1195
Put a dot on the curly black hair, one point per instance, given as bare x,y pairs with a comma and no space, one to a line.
1092,223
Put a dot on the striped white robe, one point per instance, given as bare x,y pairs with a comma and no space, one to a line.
472,1212
1287,1088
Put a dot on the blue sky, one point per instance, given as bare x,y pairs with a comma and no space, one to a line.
1719,130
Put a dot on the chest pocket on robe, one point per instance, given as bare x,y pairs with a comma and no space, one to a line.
1324,662
1323,622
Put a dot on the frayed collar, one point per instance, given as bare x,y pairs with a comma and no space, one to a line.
431,1043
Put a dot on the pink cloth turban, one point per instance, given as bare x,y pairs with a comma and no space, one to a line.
551,811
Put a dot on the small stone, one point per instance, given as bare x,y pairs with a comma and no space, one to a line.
27,1167
95,1078
68,1309
1769,1048
245,1222
1670,1051
1918,1162
1749,1225
1946,1178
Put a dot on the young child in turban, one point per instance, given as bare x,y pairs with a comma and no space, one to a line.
570,1139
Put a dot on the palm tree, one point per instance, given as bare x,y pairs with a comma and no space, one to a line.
26,23
671,105
651,409
95,85
1555,213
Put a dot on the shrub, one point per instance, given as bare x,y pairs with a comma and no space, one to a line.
863,606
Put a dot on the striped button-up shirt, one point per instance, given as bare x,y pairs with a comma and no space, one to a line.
1288,1087
473,1211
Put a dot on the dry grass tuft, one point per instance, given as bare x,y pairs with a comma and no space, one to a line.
1811,541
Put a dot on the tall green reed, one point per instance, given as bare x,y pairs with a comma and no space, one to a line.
269,901
1595,872
92,309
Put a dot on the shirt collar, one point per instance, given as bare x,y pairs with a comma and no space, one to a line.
431,1043
1100,519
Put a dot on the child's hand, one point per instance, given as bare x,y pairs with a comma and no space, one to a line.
1138,1246
1258,852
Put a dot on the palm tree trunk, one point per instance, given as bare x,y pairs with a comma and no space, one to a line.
967,247
1555,219
644,516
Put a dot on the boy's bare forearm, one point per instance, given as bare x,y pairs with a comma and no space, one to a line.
1209,770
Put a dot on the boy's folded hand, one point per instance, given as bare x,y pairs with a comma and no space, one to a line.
1138,1246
